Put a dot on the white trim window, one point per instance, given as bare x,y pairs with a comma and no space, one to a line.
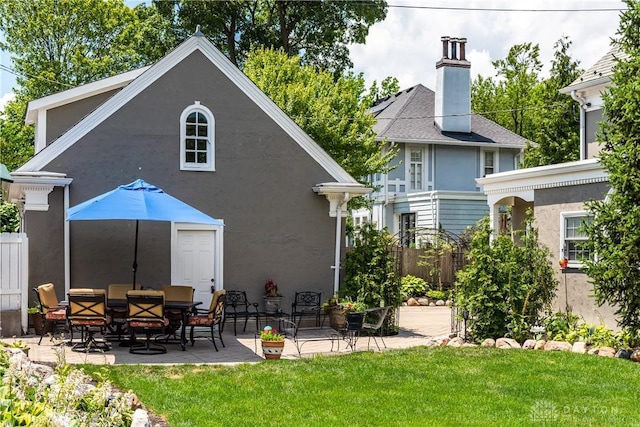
488,162
197,138
416,168
572,237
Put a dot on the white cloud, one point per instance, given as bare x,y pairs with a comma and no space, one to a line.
407,43
5,99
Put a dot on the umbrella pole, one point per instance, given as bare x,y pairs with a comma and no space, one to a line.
135,258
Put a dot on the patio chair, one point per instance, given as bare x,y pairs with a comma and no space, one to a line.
118,315
88,310
374,322
175,293
146,314
52,312
211,317
237,305
306,304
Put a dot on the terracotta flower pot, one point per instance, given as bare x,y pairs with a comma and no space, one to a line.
36,320
272,350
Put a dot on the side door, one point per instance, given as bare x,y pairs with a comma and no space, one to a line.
196,259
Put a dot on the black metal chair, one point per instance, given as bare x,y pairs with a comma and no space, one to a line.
211,317
374,323
51,311
238,306
306,304
146,314
88,311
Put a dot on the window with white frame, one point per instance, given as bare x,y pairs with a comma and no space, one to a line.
416,164
488,162
573,237
197,138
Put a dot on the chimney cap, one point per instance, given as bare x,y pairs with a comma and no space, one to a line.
445,38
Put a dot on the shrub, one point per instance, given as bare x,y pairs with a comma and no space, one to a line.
9,218
411,286
506,285
437,295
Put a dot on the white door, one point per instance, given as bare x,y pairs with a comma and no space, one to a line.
196,261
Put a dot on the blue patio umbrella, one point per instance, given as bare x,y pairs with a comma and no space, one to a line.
4,174
138,201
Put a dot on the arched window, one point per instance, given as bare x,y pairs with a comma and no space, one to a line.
197,138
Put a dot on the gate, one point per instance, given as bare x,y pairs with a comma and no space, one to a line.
14,283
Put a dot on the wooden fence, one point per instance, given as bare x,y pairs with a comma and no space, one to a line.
434,269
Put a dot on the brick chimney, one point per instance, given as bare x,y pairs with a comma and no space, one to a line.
453,87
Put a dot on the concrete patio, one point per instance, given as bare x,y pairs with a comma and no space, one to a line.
417,325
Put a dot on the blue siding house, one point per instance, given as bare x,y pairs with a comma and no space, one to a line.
442,149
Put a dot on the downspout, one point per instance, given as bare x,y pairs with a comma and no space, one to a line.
338,249
583,106
67,249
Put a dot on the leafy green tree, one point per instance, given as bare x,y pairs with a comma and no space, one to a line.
534,109
316,31
333,111
556,117
9,218
59,44
507,285
614,233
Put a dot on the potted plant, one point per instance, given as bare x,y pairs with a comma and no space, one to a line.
36,319
271,297
354,315
340,310
272,343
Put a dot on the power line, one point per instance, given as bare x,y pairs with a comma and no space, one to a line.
502,9
23,74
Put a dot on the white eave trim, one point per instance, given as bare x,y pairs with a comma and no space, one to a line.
156,71
550,176
457,143
80,92
600,81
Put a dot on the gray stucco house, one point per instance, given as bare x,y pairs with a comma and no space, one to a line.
557,193
443,147
197,127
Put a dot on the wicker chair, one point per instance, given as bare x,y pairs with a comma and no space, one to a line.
374,322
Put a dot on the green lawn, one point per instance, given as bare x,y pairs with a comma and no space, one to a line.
413,387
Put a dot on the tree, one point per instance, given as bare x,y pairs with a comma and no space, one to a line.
534,109
59,44
614,232
333,111
556,117
317,31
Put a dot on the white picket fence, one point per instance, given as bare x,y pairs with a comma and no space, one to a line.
14,276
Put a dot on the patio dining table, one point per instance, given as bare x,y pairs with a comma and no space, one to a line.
184,306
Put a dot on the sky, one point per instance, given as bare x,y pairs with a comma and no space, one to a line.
407,43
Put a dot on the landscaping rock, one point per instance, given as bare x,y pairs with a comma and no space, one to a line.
489,342
540,345
529,344
440,303
507,343
623,353
412,302
423,301
469,344
606,352
593,350
579,347
432,304
455,342
140,419
557,346
635,356
448,303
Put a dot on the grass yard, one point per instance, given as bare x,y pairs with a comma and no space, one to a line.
413,387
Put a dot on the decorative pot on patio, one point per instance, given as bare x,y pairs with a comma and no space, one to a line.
272,304
272,350
354,321
36,321
337,318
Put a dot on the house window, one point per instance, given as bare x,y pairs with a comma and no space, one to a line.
415,169
408,230
488,162
573,237
197,138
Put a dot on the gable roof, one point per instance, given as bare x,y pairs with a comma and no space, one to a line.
153,73
599,73
408,116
